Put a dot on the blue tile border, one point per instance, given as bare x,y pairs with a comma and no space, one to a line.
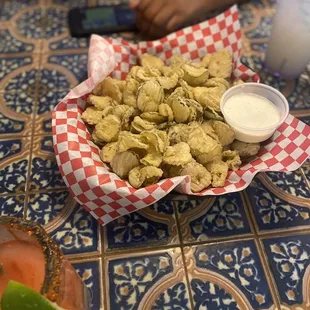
42,23
90,273
78,233
12,205
175,297
152,226
134,229
207,295
289,260
45,207
239,263
130,278
74,62
9,64
274,210
13,177
10,8
45,174
13,45
218,217
9,148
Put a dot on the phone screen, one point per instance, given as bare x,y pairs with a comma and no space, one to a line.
101,17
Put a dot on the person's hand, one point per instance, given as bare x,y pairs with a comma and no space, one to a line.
157,18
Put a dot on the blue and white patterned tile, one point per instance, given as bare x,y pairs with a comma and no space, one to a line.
175,297
152,226
185,205
17,97
75,63
14,159
153,280
299,99
260,47
211,296
71,3
47,125
262,29
12,205
246,16
9,8
49,98
9,148
45,173
23,82
289,261
12,44
229,275
213,218
20,101
45,207
51,78
252,62
47,144
69,43
90,273
13,176
269,79
42,23
10,64
78,233
279,203
10,125
291,183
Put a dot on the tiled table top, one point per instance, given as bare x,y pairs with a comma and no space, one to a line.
250,250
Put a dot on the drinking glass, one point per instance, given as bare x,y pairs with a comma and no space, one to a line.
288,51
28,255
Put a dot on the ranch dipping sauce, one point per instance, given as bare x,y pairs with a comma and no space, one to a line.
255,111
251,111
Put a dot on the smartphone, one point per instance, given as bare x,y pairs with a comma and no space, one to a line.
101,20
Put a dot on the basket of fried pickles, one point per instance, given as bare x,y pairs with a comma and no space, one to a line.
164,121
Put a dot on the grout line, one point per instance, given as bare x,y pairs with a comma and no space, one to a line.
79,50
284,233
269,276
9,137
250,214
28,179
137,250
220,240
103,272
81,257
141,250
101,281
33,192
179,231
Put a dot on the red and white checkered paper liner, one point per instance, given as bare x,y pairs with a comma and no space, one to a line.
102,192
